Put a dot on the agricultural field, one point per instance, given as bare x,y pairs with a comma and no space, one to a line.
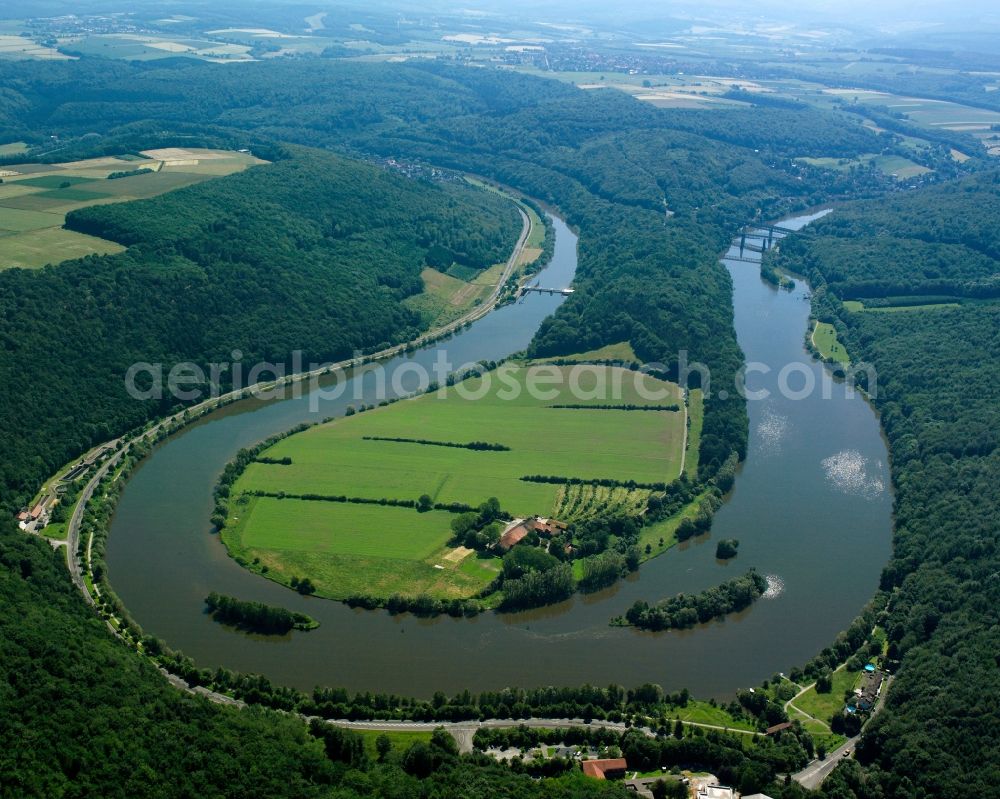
334,545
663,91
35,198
342,545
12,46
891,165
142,47
13,148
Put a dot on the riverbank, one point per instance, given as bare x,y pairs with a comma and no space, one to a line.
786,508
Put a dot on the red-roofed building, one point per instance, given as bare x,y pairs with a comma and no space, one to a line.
613,768
512,535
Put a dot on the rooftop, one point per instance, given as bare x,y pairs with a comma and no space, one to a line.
599,768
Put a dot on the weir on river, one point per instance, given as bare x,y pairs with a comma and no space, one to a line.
811,508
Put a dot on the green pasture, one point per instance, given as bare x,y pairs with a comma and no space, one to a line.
824,338
347,548
644,446
823,706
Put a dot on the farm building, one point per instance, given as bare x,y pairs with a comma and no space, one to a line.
612,768
514,534
519,528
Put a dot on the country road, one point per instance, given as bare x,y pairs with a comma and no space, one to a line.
73,526
812,775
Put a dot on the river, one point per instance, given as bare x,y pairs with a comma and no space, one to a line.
811,507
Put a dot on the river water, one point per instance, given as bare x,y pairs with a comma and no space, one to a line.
811,508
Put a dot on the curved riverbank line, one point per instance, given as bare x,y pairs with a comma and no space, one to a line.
787,510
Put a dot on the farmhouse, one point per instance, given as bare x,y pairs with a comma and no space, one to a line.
612,768
514,534
519,528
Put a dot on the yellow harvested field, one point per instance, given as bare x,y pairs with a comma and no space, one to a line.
35,198
19,47
183,153
458,554
265,33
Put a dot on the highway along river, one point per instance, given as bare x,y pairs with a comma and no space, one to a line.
811,508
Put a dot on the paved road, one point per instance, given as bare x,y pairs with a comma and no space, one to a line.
73,527
463,731
812,776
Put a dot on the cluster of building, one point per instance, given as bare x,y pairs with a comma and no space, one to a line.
866,695
37,516
519,529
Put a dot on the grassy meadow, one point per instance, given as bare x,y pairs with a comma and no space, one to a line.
345,548
823,706
35,198
824,339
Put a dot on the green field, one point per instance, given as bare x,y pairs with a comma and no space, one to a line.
347,547
448,295
13,148
855,307
824,339
343,548
335,459
401,740
612,352
701,712
35,200
696,417
891,165
823,706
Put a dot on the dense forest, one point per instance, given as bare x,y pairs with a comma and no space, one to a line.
312,253
939,400
943,241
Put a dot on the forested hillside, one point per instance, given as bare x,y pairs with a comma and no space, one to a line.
312,253
939,399
83,716
944,241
